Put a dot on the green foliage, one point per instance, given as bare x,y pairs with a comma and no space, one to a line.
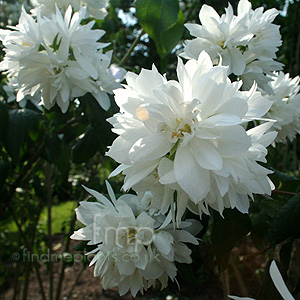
163,21
22,122
286,223
226,232
3,119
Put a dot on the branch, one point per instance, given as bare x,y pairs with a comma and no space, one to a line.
135,42
284,192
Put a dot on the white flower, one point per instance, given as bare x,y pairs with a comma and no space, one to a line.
223,36
59,58
278,283
286,106
262,48
189,136
95,8
247,43
134,249
10,89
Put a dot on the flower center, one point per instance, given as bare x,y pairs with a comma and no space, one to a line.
181,129
221,44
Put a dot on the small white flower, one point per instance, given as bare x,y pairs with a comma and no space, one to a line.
134,249
247,43
95,8
10,89
278,282
223,36
286,106
59,58
189,136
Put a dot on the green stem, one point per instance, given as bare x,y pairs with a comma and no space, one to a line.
48,184
63,266
135,42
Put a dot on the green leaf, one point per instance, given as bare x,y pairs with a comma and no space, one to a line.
163,21
259,235
53,147
86,147
226,232
186,272
287,182
286,223
284,177
285,255
3,119
83,246
21,123
272,206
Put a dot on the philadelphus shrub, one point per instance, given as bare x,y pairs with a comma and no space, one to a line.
59,58
95,8
135,247
247,43
286,106
189,136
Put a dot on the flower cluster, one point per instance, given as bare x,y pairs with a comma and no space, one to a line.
95,8
189,137
134,248
246,42
285,109
59,58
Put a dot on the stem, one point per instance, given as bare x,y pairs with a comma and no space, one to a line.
286,152
76,282
243,258
30,248
225,283
284,192
38,275
295,162
239,278
63,266
48,184
128,53
22,174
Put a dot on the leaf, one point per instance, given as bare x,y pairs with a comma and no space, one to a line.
285,255
226,232
284,177
186,272
21,123
272,206
53,147
163,21
86,147
287,182
286,223
259,235
83,246
3,119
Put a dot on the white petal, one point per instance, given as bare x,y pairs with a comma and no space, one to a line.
193,179
150,147
206,154
279,283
